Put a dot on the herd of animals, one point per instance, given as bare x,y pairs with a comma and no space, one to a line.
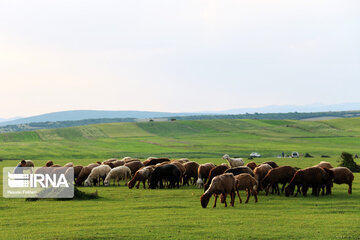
222,180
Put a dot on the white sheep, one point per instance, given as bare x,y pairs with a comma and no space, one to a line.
69,164
118,173
234,162
96,174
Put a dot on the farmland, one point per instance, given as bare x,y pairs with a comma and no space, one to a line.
176,213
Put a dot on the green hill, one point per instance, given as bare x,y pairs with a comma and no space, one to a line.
188,138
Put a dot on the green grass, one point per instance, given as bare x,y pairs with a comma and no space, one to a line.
121,213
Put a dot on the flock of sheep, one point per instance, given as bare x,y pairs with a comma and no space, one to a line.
223,180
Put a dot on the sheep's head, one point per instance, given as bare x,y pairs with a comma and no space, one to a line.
106,183
87,183
226,156
204,199
289,190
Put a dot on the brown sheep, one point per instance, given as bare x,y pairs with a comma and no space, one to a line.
343,175
49,163
223,184
218,170
203,173
110,164
134,166
248,183
260,172
155,161
77,170
239,170
191,171
324,164
181,169
315,177
56,165
84,173
271,163
251,165
282,174
181,160
141,175
118,163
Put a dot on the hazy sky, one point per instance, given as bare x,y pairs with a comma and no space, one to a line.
176,55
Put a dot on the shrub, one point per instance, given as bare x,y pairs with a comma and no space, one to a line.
348,161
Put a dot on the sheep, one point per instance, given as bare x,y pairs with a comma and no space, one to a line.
251,165
56,165
110,164
271,163
97,173
118,163
69,164
260,172
218,170
181,169
155,161
110,160
134,166
191,171
239,170
343,175
223,184
49,163
141,175
234,162
77,170
29,163
245,181
282,174
181,160
324,164
118,173
315,177
167,172
84,173
203,173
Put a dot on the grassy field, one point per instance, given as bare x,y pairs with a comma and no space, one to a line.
121,213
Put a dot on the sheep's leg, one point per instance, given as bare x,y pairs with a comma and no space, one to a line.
267,189
298,190
283,188
255,196
277,189
216,196
232,198
237,190
138,184
304,190
248,195
350,188
143,182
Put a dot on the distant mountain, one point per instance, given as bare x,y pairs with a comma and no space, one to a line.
76,115
294,108
8,119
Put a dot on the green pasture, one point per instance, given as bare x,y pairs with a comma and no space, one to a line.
121,213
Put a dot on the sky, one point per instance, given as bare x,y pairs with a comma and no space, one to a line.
176,56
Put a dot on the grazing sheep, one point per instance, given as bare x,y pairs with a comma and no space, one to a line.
271,163
118,173
128,159
234,162
245,181
324,164
315,177
29,163
260,172
181,169
56,165
181,160
239,170
251,165
110,160
69,164
216,171
282,175
84,173
155,161
110,164
203,173
118,163
141,175
223,184
191,171
97,173
343,175
49,163
167,172
134,166
77,170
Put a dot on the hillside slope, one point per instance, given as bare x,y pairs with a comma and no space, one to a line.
201,139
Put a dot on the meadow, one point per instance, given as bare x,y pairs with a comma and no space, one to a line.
121,213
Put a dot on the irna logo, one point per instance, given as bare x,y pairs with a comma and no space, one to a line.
36,180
